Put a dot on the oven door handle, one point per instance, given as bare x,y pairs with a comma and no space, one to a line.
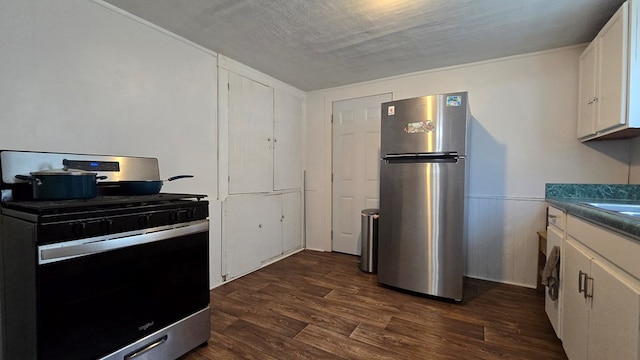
72,249
147,348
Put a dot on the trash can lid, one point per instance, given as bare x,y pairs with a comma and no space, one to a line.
366,212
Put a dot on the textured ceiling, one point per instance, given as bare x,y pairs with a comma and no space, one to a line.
317,44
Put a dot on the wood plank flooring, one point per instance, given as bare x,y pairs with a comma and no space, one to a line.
315,305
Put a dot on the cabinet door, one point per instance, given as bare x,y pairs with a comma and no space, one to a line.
250,136
252,232
287,152
552,307
614,321
612,71
587,91
575,309
271,241
291,222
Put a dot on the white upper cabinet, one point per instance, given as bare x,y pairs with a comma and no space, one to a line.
287,152
611,89
250,136
607,103
265,137
587,92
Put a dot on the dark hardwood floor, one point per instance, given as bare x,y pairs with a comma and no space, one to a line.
315,305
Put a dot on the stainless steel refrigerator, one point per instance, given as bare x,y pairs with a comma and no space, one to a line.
423,181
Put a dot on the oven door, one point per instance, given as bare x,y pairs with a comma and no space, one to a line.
98,295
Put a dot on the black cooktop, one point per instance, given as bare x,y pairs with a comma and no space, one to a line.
99,202
63,220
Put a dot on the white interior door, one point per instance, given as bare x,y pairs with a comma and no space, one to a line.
356,168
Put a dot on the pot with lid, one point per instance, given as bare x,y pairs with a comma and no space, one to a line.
62,184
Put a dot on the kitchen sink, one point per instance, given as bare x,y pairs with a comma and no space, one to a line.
625,209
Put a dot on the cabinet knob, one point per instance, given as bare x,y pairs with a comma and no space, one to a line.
269,139
78,228
260,225
105,225
143,220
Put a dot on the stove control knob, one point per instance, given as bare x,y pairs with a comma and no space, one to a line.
191,214
173,216
78,228
143,220
105,225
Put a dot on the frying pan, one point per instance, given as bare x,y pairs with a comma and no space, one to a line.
145,187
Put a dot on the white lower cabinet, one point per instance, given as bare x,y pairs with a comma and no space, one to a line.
615,314
575,315
552,307
259,228
556,220
291,222
601,301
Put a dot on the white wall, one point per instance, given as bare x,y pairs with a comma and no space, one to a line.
634,164
522,136
80,76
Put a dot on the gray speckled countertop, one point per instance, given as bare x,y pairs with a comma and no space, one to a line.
574,199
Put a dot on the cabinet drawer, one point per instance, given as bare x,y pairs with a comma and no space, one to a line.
618,249
556,217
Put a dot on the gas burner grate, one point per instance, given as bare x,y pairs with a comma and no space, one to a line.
61,206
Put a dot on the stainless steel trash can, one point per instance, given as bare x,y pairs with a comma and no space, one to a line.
369,234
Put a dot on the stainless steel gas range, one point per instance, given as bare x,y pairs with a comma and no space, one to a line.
107,277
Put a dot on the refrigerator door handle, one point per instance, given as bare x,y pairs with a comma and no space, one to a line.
440,157
423,154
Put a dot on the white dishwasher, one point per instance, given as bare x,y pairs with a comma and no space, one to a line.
556,225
